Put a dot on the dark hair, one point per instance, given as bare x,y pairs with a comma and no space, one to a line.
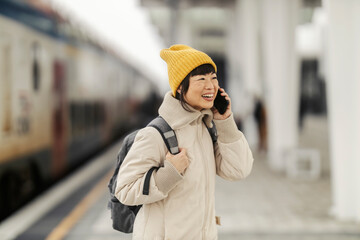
200,70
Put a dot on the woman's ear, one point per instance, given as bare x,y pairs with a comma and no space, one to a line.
179,90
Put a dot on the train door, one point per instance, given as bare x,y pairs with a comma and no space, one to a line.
9,182
5,86
59,128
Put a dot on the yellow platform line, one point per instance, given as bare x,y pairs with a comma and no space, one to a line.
63,228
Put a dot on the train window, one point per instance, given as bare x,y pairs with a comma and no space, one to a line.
99,115
36,66
76,117
5,89
73,118
87,116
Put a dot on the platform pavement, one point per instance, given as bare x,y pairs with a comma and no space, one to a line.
265,206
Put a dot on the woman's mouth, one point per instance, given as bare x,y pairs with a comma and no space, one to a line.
208,97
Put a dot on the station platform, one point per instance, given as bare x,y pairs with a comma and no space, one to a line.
265,206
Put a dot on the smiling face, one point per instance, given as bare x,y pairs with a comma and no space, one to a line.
202,91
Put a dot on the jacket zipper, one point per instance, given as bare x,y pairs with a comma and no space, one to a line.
206,180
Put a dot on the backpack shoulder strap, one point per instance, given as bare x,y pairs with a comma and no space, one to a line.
169,137
213,132
167,133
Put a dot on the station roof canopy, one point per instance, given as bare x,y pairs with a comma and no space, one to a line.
199,23
193,3
203,24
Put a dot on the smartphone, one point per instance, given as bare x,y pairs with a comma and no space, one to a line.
220,103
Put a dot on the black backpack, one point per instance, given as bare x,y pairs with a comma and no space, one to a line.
123,216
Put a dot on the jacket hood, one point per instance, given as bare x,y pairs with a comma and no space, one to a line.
177,117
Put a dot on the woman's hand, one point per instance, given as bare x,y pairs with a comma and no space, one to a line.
228,112
180,161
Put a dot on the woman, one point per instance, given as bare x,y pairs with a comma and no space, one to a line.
181,202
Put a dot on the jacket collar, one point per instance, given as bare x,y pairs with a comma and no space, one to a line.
177,117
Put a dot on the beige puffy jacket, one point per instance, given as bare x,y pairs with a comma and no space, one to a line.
181,207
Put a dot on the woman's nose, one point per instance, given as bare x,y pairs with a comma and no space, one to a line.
209,84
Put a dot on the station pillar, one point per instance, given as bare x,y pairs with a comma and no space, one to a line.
249,43
243,63
233,62
281,78
343,87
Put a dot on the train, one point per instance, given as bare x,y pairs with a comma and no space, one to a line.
64,96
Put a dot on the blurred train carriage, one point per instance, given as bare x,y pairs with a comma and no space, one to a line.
63,96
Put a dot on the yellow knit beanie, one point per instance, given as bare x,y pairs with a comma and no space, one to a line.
181,60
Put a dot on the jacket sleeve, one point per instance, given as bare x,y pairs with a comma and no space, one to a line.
233,156
147,151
